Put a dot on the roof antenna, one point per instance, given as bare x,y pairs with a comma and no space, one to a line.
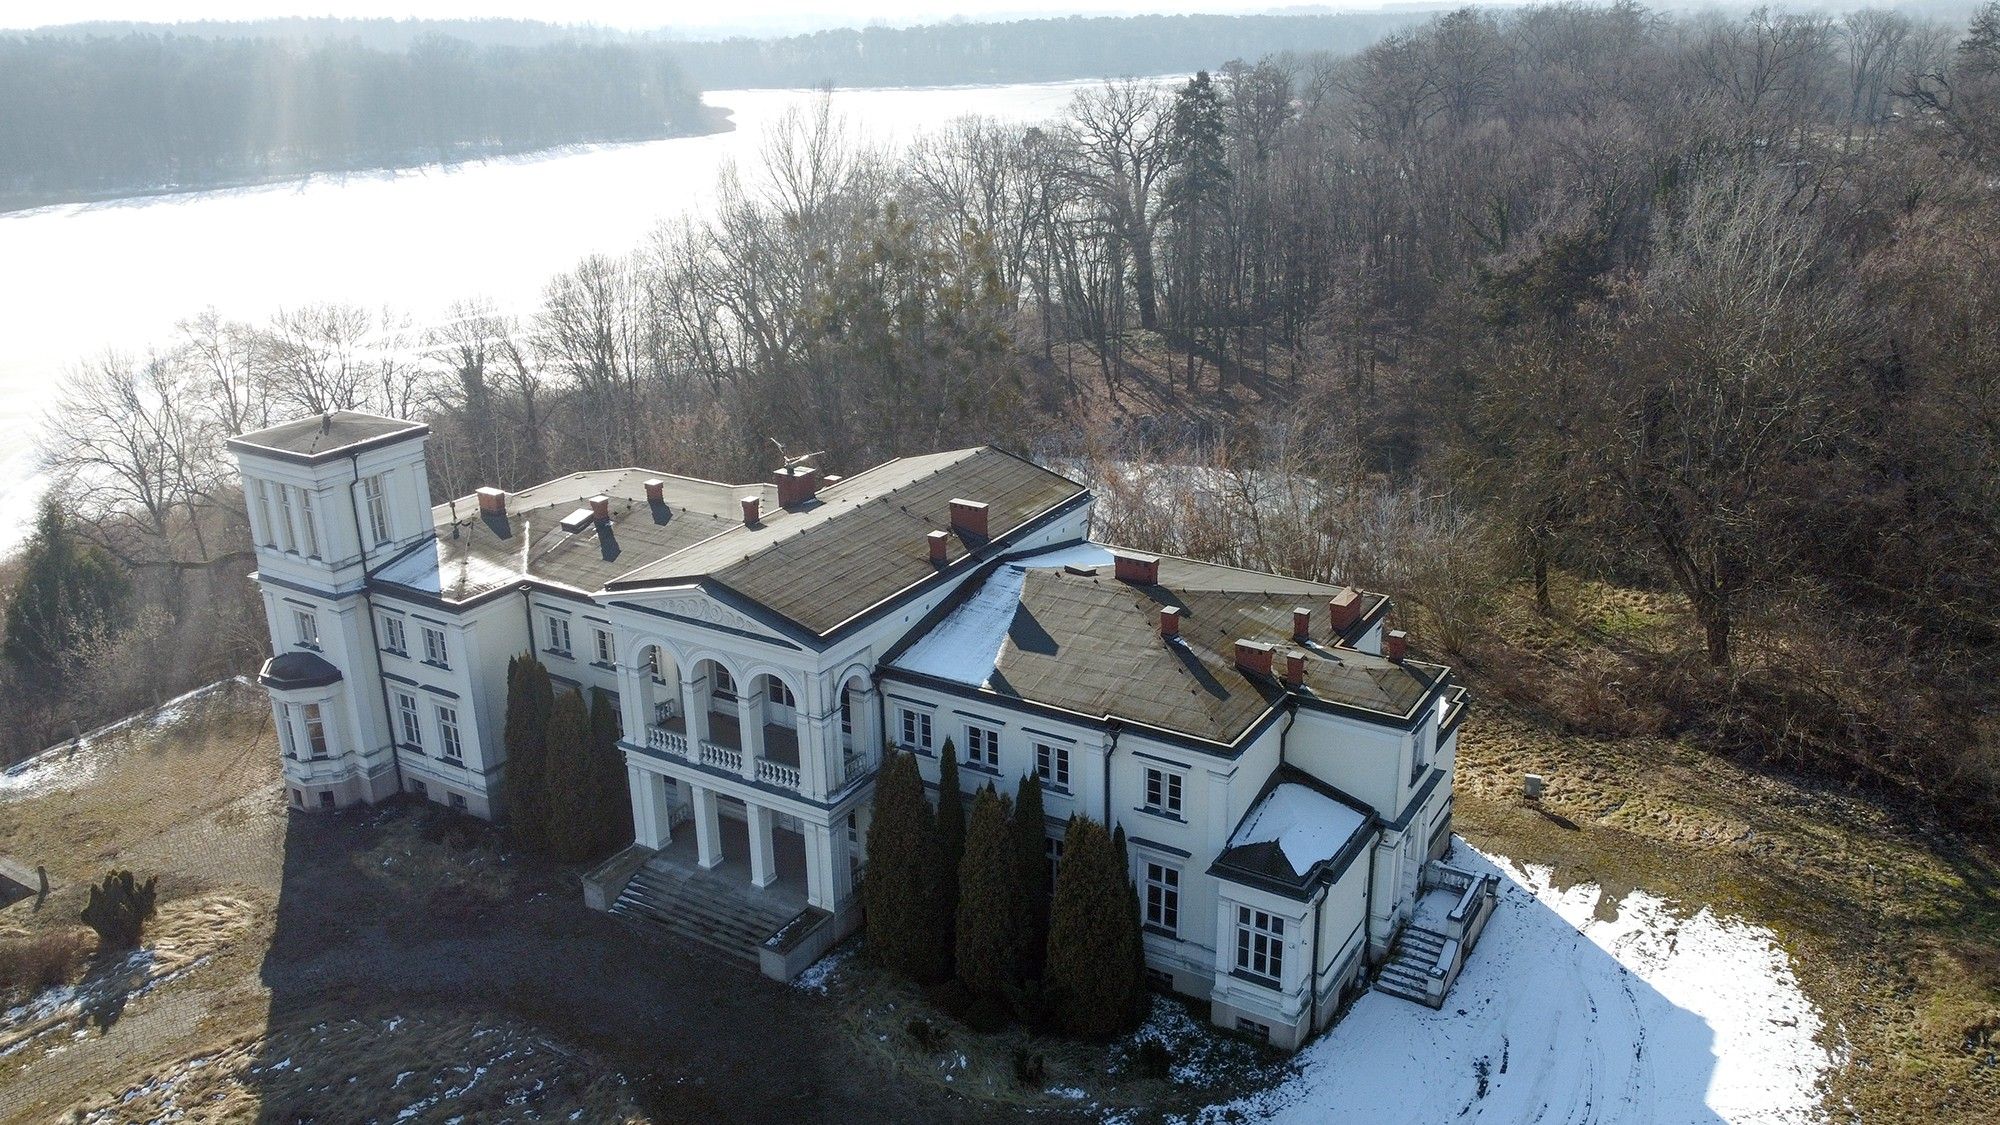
325,421
790,460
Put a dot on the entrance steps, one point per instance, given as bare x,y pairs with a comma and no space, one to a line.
1407,972
707,908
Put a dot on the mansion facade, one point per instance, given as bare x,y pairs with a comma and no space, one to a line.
1281,765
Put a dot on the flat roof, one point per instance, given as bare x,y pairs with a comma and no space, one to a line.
323,437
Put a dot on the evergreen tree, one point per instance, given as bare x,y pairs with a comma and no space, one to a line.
993,922
1093,972
950,828
571,832
530,700
69,591
1032,862
119,908
907,927
610,790
1132,898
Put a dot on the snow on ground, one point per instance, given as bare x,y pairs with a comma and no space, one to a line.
1308,826
966,645
71,764
1566,1015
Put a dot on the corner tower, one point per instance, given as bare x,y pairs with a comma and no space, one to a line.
331,498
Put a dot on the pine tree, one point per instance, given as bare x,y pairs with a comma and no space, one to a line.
993,922
69,591
571,832
610,791
950,829
1093,972
907,928
1031,859
530,700
1124,855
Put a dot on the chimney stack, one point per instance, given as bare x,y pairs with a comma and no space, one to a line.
750,506
1344,609
1396,645
1170,622
1142,570
968,518
492,502
656,491
1253,656
797,484
1295,668
938,540
600,509
1302,623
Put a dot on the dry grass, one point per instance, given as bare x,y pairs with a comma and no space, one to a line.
33,963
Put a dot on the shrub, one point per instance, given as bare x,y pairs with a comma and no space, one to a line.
1153,1059
30,964
927,1035
1030,1069
907,926
119,908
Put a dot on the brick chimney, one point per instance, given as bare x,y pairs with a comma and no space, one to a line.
968,518
939,540
1295,668
1254,656
1302,623
1170,622
1396,645
1344,609
750,506
492,502
1143,570
656,491
797,484
600,509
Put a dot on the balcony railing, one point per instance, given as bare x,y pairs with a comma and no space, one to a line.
668,742
773,773
721,757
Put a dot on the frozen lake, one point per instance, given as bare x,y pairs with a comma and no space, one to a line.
78,279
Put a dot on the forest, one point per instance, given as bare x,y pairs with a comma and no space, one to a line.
96,116
1706,306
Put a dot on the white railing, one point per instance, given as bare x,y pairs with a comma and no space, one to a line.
777,774
666,741
721,757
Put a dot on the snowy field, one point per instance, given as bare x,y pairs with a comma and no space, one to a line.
1575,1010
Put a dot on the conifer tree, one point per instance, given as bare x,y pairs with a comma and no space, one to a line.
993,923
950,829
69,591
1132,897
571,829
610,790
907,928
1092,975
1031,860
530,702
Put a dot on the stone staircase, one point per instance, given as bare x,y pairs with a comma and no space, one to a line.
1407,972
709,909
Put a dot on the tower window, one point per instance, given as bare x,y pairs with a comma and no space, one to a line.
434,650
375,495
306,624
308,523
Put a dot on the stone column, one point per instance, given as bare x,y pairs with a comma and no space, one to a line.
750,725
632,703
869,738
694,708
819,866
645,821
763,855
707,827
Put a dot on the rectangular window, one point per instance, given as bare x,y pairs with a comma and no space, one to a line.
285,734
298,798
916,729
653,666
781,695
1163,792
412,724
264,514
315,729
393,637
434,650
326,798
448,734
1260,944
559,633
308,523
285,516
458,802
1418,745
1052,765
1052,849
725,685
419,788
306,625
1258,1031
982,746
377,500
1163,897
846,717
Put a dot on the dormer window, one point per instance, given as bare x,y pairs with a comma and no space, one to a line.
375,496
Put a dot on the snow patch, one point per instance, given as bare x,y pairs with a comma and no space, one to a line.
965,647
1307,825
1563,1015
71,764
819,975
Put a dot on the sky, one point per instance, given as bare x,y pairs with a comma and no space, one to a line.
737,15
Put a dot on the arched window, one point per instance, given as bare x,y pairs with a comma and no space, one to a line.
725,685
782,695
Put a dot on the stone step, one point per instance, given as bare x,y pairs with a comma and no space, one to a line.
702,908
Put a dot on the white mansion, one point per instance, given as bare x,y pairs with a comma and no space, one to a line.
1282,770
